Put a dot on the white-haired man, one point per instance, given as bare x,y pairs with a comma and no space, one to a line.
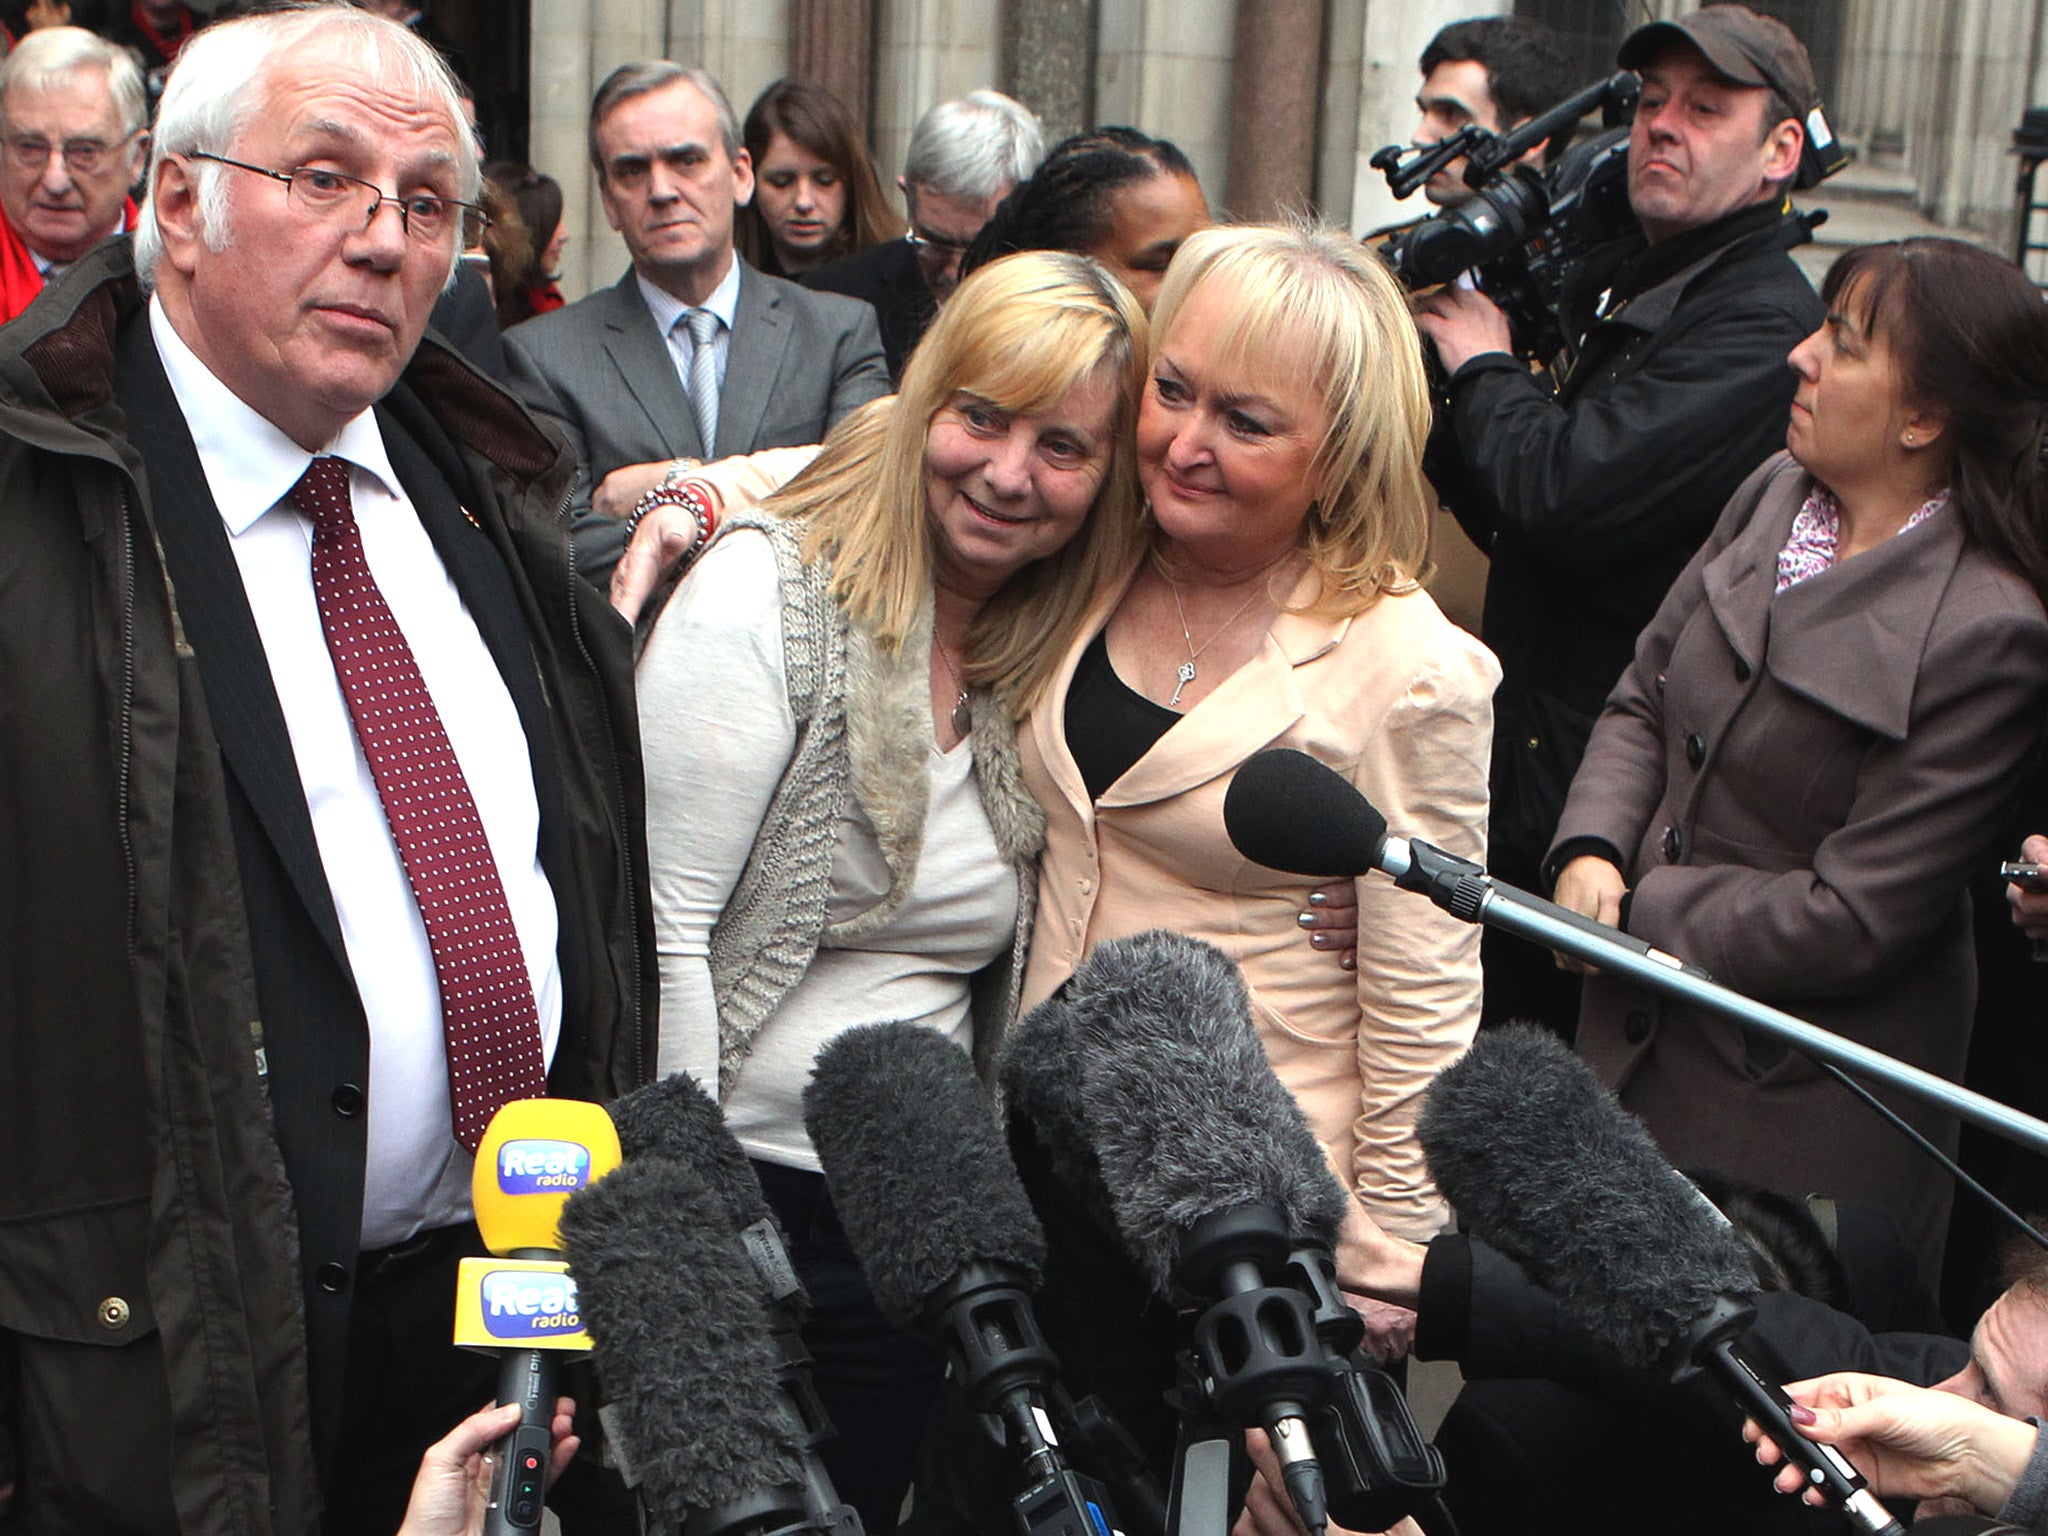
74,131
321,845
963,158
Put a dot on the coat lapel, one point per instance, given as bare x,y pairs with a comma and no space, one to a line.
1880,611
760,335
241,699
647,370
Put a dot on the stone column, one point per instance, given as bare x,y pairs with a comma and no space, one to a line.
832,42
1275,79
926,52
1164,67
1048,62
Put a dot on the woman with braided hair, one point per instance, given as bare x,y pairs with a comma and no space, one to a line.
1120,196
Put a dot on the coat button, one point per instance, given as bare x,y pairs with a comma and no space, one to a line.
1674,844
113,1313
1635,1029
1695,749
1660,682
1741,670
347,1101
331,1277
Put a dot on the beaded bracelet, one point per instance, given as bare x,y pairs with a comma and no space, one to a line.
691,495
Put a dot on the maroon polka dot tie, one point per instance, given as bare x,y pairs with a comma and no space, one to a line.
487,1007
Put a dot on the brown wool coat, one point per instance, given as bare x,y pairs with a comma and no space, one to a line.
1800,788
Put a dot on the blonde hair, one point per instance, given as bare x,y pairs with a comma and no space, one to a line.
1019,334
1305,301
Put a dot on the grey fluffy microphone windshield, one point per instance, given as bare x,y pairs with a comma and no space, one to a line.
1542,1164
675,1118
1181,1104
1042,1088
682,1343
918,1170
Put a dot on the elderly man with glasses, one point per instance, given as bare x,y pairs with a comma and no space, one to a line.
319,833
73,136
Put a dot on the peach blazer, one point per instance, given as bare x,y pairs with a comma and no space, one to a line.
1399,700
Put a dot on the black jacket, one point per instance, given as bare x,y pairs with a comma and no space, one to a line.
1591,496
887,276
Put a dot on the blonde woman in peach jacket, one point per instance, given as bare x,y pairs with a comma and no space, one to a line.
1279,443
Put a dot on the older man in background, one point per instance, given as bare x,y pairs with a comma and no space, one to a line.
74,132
964,157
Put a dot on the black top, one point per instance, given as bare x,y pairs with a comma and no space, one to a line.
1110,725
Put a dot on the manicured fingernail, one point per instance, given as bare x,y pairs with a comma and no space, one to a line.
1801,1414
1318,899
1306,919
1319,941
1348,963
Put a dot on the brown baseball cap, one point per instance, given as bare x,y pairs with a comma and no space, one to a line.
1741,45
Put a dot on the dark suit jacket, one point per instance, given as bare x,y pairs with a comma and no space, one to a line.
798,362
315,1035
1797,789
886,276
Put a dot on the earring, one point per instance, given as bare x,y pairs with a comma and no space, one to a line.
1910,440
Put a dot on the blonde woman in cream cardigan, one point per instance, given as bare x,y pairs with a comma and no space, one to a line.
1279,445
836,832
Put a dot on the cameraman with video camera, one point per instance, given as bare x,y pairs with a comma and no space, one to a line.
1591,486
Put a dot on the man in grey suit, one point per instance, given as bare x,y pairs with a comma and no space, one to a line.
692,354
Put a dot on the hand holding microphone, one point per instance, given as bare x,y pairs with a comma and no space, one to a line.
1913,1442
451,1494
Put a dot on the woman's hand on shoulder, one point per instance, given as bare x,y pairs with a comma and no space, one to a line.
1592,887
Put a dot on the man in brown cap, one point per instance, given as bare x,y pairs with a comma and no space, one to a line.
1590,487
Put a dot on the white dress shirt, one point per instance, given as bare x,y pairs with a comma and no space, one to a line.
418,1174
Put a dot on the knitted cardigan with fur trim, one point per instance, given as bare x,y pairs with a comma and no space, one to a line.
863,722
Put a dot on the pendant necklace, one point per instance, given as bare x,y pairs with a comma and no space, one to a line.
962,717
1186,674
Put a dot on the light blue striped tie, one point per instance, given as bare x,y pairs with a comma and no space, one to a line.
704,376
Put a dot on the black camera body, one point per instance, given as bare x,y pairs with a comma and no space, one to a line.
1526,231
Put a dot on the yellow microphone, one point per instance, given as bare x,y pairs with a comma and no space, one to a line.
522,1304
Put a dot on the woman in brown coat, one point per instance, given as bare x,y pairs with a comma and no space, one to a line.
1823,726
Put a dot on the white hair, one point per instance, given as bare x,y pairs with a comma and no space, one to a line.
51,56
219,82
977,146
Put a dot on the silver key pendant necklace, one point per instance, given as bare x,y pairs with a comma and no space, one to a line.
1186,674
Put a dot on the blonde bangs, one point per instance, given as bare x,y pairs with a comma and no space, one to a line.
1308,302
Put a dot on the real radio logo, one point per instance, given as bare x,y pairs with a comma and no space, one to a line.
520,1305
537,1167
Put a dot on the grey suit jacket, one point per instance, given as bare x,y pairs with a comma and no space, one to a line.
798,362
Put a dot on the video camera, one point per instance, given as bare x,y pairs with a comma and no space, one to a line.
1527,230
